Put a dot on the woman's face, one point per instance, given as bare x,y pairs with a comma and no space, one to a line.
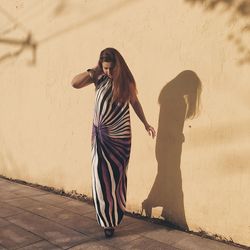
107,68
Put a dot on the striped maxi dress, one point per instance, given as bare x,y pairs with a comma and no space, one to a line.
111,143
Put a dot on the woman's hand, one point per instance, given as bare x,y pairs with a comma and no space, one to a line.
151,130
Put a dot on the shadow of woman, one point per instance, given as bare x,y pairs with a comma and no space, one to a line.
179,100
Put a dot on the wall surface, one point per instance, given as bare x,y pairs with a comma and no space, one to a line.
196,172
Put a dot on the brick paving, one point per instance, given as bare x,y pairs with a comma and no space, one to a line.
32,219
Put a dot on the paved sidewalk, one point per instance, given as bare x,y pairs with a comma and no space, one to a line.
32,219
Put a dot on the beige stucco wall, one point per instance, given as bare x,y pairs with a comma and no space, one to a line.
45,126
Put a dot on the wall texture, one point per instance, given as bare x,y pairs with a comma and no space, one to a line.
196,173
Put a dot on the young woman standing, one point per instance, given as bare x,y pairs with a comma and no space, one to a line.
111,134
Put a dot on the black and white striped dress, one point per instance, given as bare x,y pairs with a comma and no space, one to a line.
111,143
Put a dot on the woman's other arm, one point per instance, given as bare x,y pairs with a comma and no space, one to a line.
81,80
139,112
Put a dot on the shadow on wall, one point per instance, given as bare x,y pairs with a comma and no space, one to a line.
239,12
60,10
179,100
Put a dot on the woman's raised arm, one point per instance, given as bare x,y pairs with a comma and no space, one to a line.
81,80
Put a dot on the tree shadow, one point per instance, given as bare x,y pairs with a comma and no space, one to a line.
27,43
96,16
240,12
179,100
22,44
59,10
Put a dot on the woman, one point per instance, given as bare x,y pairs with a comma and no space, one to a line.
111,134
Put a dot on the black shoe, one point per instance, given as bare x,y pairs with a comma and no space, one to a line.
109,232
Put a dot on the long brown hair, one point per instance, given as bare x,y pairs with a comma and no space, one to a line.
124,88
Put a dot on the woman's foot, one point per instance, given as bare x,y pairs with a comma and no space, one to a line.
109,232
